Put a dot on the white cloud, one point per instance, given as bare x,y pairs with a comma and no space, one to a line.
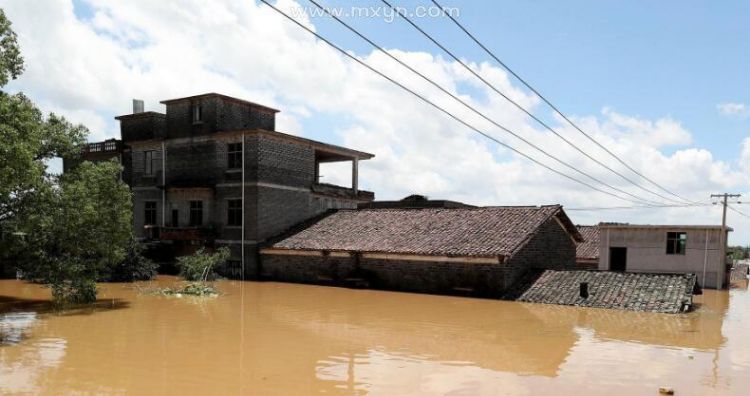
734,109
89,70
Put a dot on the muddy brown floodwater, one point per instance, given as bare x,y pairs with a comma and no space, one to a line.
285,339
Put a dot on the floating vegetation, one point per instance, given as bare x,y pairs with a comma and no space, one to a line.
192,289
200,289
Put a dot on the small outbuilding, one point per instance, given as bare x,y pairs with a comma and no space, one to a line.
689,249
477,251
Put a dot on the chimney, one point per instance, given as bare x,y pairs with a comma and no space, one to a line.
137,106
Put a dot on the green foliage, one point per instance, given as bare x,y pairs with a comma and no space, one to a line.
200,266
74,291
191,289
11,62
27,141
77,225
78,230
135,267
27,138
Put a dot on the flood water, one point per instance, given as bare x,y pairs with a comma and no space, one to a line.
285,339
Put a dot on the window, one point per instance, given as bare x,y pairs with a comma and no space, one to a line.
197,114
234,212
175,218
149,213
234,155
149,162
676,242
196,213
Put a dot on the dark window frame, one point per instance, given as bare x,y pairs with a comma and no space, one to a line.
149,213
234,155
234,212
676,243
197,114
149,157
196,213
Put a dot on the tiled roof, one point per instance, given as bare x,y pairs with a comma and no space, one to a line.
666,293
589,248
480,232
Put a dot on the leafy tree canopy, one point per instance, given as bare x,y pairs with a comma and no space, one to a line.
78,230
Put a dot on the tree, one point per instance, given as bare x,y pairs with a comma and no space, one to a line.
11,62
79,229
201,265
134,267
77,226
27,138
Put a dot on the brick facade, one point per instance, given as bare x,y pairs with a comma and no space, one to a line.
174,159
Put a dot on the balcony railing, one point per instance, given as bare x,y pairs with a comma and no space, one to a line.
107,146
342,192
180,233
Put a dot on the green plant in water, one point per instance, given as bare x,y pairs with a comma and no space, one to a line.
73,292
191,289
200,266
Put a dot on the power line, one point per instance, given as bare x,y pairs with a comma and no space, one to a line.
739,212
592,209
514,103
552,106
446,112
470,107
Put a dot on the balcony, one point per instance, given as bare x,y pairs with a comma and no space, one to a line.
107,146
180,233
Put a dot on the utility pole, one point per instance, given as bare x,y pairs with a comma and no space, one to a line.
723,262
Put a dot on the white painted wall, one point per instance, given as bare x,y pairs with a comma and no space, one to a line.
647,252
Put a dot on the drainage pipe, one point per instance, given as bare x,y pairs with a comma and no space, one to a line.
242,242
705,261
163,185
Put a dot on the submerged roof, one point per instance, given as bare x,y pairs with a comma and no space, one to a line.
480,232
666,293
589,248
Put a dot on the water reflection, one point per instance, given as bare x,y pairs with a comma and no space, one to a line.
270,338
14,325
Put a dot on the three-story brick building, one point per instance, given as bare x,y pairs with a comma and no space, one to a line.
213,171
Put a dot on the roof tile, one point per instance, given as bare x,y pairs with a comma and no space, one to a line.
481,232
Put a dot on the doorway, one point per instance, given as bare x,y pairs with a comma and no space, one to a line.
618,257
175,218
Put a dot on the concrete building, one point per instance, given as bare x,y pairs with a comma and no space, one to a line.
213,171
696,249
475,251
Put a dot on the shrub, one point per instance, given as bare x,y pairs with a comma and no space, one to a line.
135,267
76,291
200,266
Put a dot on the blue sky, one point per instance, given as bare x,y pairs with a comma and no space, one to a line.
646,78
650,58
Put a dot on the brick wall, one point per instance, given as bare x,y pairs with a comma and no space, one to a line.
435,276
306,269
145,126
235,116
551,247
217,115
140,197
286,163
414,276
